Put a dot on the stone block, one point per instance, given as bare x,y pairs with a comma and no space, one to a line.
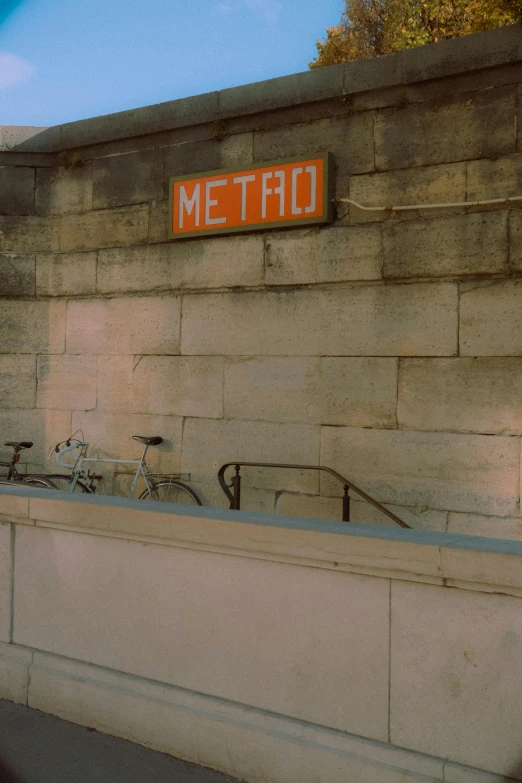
475,473
29,234
179,386
457,676
331,390
294,504
15,507
446,130
159,221
110,435
127,179
32,326
497,178
5,585
208,155
515,238
16,190
327,255
67,382
168,385
237,149
491,319
104,228
206,263
461,395
30,138
489,527
63,274
136,325
427,185
363,320
17,275
350,138
193,110
447,246
45,428
17,381
372,74
62,191
184,618
467,54
306,87
252,499
14,673
209,443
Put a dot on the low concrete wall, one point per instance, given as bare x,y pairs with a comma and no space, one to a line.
272,648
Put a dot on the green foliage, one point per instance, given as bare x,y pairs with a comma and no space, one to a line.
370,28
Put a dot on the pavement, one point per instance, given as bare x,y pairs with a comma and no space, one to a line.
39,748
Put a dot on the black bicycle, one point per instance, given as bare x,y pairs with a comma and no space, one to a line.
12,474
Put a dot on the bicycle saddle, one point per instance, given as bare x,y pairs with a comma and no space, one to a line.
155,441
24,444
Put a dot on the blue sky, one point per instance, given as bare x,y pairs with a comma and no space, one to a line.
63,60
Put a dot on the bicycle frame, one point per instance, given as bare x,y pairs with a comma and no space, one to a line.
79,473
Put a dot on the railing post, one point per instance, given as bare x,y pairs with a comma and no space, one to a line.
346,504
236,490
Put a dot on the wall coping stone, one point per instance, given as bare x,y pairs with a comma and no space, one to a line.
478,563
434,61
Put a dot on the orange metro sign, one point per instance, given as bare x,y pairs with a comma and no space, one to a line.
292,192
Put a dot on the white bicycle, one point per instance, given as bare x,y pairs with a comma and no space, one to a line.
165,487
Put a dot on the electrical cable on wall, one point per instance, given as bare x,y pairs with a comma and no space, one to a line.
403,207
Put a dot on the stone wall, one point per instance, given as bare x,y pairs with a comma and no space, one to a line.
387,346
275,649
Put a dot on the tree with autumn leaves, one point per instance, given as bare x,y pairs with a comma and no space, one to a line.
370,28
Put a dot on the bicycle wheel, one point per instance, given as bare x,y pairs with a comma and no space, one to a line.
171,492
63,484
38,482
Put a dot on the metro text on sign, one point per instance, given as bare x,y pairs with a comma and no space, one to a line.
267,195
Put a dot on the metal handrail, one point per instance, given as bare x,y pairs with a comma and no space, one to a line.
235,495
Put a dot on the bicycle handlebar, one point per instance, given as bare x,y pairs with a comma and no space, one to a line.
60,451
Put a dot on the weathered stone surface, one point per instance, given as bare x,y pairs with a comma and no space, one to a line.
446,471
206,263
104,228
447,130
237,150
17,381
479,525
427,185
350,138
14,673
32,327
209,443
495,178
5,585
61,191
411,320
182,386
461,395
449,678
361,512
198,156
454,245
352,391
515,240
67,382
127,179
327,255
114,326
43,427
169,385
62,274
159,221
491,319
252,499
16,190
110,435
28,234
17,275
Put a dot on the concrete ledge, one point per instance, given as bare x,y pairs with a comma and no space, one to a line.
448,58
482,564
